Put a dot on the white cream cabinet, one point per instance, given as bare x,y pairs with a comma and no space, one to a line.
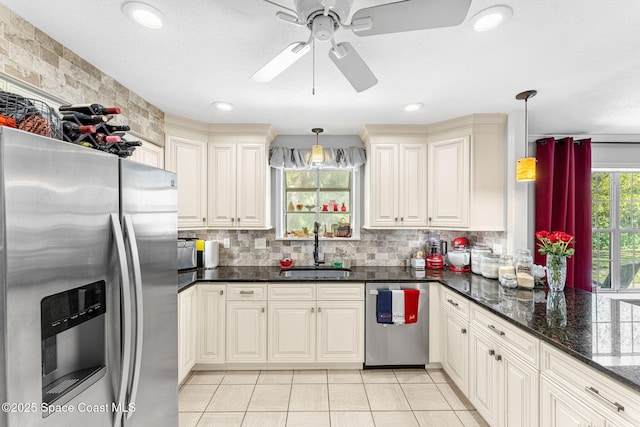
211,322
187,332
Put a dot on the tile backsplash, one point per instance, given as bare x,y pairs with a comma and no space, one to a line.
375,247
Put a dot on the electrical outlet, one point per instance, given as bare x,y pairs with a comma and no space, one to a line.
497,248
226,243
261,243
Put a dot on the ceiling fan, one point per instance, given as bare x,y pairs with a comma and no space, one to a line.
325,17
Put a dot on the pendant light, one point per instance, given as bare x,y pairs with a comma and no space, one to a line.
317,153
526,167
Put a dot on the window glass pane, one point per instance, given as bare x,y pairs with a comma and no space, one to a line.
629,260
626,337
601,187
635,186
601,258
300,179
601,214
335,179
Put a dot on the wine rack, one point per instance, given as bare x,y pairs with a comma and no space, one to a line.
95,131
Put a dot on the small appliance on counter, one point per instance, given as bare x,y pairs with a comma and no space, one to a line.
417,260
459,257
435,258
186,254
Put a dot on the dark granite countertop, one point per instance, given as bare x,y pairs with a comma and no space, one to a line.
593,328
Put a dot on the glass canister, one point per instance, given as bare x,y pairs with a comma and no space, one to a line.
506,267
524,268
490,265
477,251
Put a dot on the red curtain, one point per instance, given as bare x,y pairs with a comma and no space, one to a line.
563,201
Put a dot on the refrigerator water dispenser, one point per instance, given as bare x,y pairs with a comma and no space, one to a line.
73,331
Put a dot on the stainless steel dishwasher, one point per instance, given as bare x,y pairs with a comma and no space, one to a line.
396,345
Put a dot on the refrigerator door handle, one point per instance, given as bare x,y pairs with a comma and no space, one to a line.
137,286
125,291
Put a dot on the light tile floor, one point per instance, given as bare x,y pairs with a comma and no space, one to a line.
325,398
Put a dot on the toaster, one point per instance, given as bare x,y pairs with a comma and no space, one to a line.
186,254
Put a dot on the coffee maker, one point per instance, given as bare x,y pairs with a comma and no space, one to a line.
459,257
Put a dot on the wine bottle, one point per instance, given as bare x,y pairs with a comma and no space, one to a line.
91,109
84,119
116,128
104,139
73,131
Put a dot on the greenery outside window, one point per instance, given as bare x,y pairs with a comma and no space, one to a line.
616,229
323,195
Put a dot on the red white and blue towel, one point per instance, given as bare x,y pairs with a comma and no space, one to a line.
397,306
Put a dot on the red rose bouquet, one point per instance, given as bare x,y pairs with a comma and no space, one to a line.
555,243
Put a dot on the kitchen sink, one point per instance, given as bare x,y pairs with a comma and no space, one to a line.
316,273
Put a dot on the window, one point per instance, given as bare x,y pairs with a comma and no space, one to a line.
323,195
616,229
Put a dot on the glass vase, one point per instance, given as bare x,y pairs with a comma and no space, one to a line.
556,272
556,310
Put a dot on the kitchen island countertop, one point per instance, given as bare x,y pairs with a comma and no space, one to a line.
594,329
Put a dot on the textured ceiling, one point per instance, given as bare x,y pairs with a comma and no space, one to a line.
583,57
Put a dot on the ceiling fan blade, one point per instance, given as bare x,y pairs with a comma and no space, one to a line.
411,15
352,66
281,62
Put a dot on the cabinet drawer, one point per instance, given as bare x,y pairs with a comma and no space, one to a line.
521,344
292,291
593,386
340,291
246,291
455,303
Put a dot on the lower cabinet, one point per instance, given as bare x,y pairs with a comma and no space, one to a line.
304,328
211,323
187,332
455,358
246,331
503,386
558,408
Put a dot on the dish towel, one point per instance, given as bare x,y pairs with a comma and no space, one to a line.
397,306
383,306
411,305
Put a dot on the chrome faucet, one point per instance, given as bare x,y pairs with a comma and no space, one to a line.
316,257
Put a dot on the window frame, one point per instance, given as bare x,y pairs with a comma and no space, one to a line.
356,204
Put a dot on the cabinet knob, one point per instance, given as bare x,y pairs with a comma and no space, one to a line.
204,219
463,330
233,220
319,310
262,310
492,352
238,220
221,292
498,357
401,218
312,309
395,219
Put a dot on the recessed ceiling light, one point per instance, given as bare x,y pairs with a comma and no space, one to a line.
223,106
414,106
491,17
144,14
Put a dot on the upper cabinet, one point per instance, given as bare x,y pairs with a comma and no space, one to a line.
186,155
467,171
223,174
239,177
148,154
447,175
395,193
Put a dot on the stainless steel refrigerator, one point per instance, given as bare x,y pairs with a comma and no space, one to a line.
88,283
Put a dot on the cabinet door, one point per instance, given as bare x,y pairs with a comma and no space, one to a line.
483,382
382,194
149,154
558,408
519,389
211,315
186,332
222,185
340,331
292,331
412,186
246,331
455,358
448,188
251,186
188,159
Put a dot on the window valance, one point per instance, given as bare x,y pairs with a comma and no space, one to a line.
300,158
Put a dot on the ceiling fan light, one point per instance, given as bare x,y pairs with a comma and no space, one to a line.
281,62
144,14
414,106
491,17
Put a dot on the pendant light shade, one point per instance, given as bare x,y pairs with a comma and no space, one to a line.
526,167
317,152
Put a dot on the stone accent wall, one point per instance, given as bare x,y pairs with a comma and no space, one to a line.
31,56
375,248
